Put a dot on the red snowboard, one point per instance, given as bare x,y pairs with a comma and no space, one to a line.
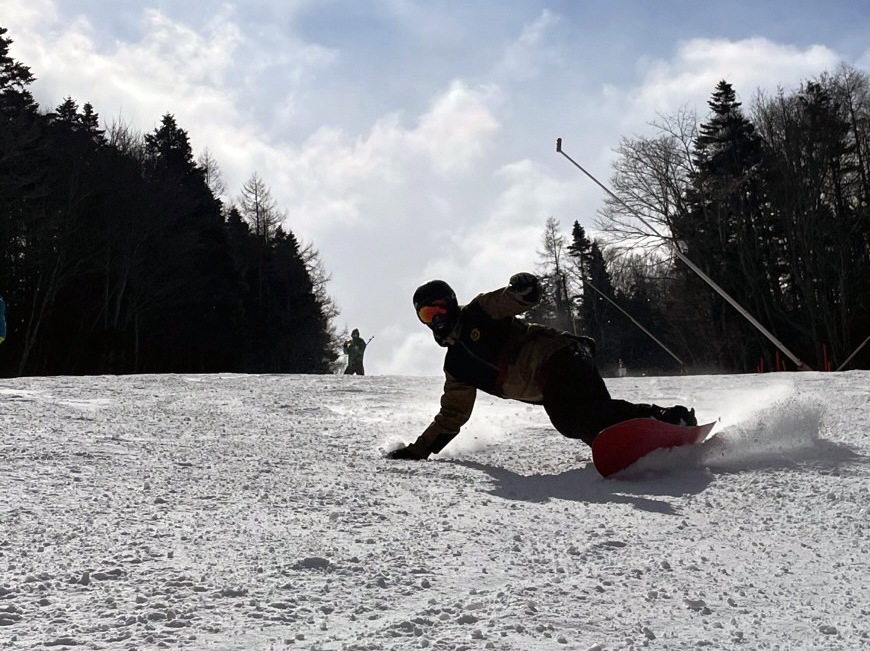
620,445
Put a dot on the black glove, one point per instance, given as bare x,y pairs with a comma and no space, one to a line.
526,287
589,341
408,453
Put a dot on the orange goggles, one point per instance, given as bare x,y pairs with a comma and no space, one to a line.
429,313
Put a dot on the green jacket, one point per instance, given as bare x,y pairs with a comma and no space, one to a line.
354,348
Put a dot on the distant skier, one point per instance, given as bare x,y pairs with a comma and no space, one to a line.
620,369
488,348
355,348
2,320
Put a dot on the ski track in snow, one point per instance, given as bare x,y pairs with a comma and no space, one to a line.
256,512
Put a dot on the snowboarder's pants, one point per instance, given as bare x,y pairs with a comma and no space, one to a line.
576,399
356,367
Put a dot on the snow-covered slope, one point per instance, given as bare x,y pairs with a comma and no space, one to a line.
257,512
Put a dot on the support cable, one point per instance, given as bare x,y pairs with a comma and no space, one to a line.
800,365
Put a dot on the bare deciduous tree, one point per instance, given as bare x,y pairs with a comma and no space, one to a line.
650,178
211,171
259,209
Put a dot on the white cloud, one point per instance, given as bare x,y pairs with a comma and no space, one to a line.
171,69
525,57
454,132
25,15
333,178
323,180
480,253
746,64
689,77
171,52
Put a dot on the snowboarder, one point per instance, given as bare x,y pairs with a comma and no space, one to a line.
488,348
355,348
2,320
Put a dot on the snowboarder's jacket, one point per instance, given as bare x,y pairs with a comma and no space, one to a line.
491,350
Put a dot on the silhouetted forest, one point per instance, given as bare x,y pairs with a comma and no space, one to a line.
116,256
773,205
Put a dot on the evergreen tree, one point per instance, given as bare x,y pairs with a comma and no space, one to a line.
15,78
643,294
726,230
31,263
597,316
116,241
168,147
196,278
816,185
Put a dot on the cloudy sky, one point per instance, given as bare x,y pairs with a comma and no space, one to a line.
412,139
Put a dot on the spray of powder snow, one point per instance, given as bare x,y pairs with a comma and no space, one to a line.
493,422
761,427
769,427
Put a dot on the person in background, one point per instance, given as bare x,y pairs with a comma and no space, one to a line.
355,348
490,349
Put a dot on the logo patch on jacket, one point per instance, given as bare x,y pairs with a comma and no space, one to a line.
474,334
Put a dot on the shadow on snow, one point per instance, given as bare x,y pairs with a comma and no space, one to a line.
586,485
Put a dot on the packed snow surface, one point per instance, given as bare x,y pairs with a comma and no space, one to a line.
257,512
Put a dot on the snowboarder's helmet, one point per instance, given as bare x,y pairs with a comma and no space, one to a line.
436,306
354,333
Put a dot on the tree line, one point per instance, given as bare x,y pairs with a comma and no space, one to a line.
117,254
773,205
